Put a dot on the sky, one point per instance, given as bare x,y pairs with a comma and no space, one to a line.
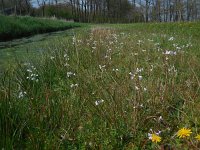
35,3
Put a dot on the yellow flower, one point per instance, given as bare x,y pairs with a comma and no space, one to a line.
154,138
198,137
184,132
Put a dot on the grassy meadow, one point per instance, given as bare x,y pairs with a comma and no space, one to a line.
119,86
12,27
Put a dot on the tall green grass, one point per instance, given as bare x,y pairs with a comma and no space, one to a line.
182,28
104,89
18,26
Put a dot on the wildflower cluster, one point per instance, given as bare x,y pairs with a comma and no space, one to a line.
22,94
154,136
182,133
32,73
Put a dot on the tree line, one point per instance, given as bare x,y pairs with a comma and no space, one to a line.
103,11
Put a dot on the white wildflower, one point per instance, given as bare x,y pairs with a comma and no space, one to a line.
21,94
175,45
171,38
157,44
115,69
98,102
137,88
145,89
52,57
160,118
66,64
150,136
29,70
140,77
141,105
69,74
169,52
139,70
132,75
74,85
102,67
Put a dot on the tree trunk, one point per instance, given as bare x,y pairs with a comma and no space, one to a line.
28,7
43,8
2,7
56,8
147,11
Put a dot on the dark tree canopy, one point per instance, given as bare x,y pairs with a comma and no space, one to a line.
102,11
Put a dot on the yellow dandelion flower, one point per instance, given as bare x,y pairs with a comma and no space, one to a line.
154,138
183,133
198,137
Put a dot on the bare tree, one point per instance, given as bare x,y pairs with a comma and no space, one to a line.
42,4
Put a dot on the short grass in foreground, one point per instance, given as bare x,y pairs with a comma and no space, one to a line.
110,88
17,26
